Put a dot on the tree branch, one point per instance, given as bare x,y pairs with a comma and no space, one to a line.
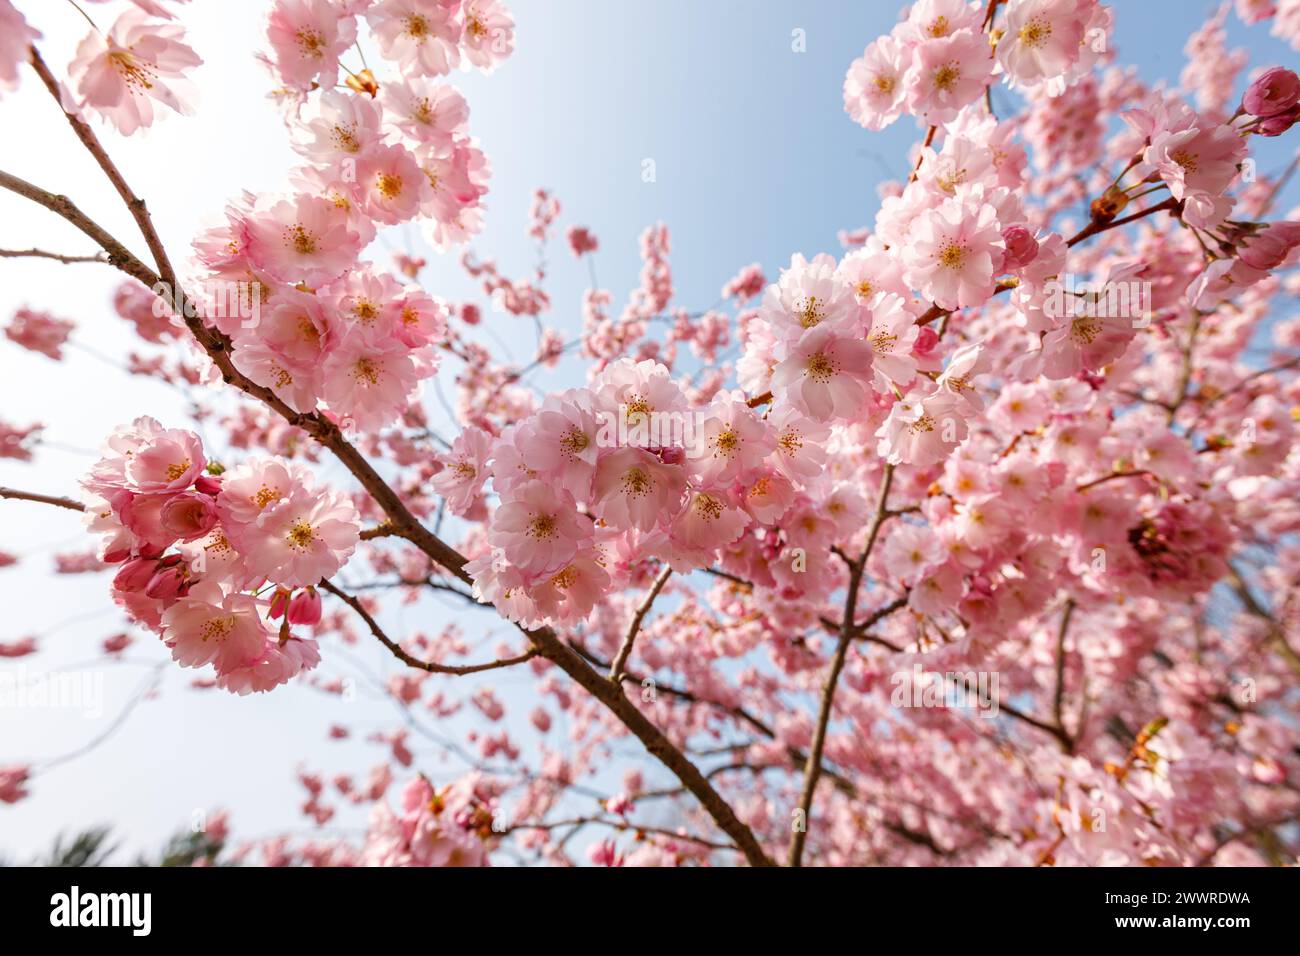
847,630
400,653
16,495
1058,698
625,651
57,257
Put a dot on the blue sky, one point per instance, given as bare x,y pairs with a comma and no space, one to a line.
754,160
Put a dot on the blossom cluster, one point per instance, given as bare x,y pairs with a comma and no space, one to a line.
209,558
323,326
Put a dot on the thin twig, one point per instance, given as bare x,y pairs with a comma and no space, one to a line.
16,495
625,650
56,256
847,630
400,653
1058,699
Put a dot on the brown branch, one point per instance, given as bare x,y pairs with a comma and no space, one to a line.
1277,636
797,757
16,495
1185,372
118,255
625,651
622,826
57,257
1062,737
1097,225
400,653
1058,698
929,138
1134,473
859,630
847,630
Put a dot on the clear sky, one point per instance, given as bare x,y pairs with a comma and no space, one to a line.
754,159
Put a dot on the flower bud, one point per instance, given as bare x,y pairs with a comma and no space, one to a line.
167,584
135,574
279,603
1278,124
305,608
1275,91
208,485
1270,248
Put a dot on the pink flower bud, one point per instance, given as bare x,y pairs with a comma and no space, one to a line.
167,584
208,484
470,313
1268,249
189,515
279,603
305,608
1022,247
1280,123
135,574
1275,91
117,555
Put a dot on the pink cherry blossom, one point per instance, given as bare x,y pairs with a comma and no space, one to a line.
420,36
121,74
633,488
189,515
13,780
947,74
368,382
15,36
429,113
1042,38
207,627
956,250
346,125
922,429
464,470
305,239
307,37
874,86
489,35
391,187
827,374
539,529
303,539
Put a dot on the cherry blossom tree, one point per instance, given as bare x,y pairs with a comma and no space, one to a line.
980,548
